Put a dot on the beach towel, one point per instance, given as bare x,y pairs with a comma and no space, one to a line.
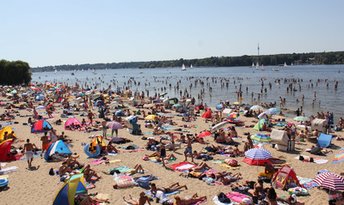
121,169
131,148
182,166
144,181
96,162
307,183
238,197
338,158
163,197
316,160
8,170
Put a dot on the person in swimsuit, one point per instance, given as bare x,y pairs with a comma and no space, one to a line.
142,200
28,150
163,154
195,199
188,150
172,188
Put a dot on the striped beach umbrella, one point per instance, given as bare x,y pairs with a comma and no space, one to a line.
258,153
257,156
331,181
261,138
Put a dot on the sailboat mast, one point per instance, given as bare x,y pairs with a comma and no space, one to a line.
258,52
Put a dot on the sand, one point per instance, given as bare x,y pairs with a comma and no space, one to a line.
38,187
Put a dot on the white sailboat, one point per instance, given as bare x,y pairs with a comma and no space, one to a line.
191,66
285,64
253,65
183,67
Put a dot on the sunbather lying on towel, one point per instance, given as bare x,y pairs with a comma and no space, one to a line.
141,201
195,199
90,173
229,178
172,188
85,199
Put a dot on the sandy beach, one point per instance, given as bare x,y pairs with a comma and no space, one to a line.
38,187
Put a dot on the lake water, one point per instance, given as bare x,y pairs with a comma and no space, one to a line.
315,78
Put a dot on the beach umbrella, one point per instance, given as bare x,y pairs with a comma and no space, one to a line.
273,111
258,153
261,138
331,181
204,134
219,126
301,119
263,115
257,156
233,115
114,125
236,103
256,108
150,117
219,106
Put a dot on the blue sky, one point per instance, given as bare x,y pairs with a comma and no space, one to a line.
44,32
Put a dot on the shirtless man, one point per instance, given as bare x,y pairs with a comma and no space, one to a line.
142,200
188,150
28,150
195,199
45,143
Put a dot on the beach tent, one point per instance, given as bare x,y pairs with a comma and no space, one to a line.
5,149
284,178
92,154
41,126
57,147
207,114
71,121
7,129
75,185
93,149
279,137
324,140
259,125
319,124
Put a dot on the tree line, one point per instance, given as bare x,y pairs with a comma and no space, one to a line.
14,72
277,59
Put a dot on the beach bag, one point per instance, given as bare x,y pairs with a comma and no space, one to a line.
51,172
223,198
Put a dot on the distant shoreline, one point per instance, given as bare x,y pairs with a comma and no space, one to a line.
320,58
